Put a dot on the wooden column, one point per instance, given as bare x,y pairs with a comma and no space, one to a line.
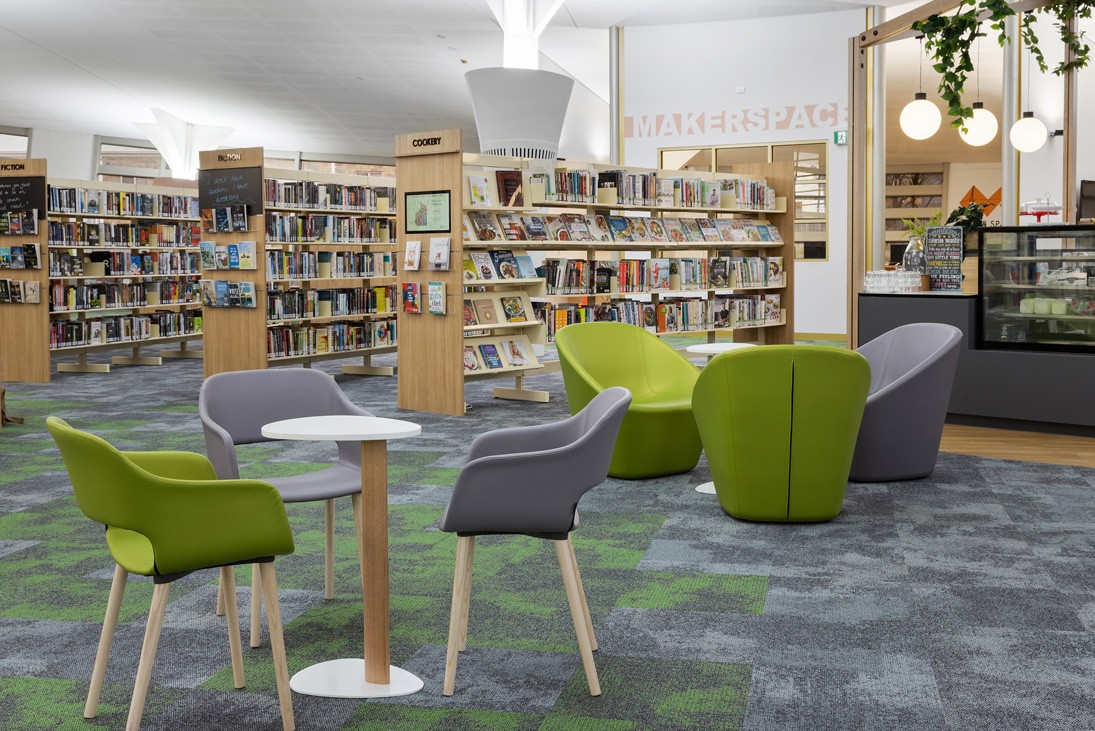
858,156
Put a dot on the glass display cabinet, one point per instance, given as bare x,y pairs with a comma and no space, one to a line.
1037,288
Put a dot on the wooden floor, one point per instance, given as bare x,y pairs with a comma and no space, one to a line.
1021,445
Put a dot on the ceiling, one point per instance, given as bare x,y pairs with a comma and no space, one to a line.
325,76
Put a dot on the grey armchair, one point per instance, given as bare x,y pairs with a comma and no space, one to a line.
528,481
912,371
234,406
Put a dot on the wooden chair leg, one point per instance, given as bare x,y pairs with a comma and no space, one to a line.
256,606
235,646
568,569
106,638
329,549
148,655
466,608
461,593
220,600
277,644
582,593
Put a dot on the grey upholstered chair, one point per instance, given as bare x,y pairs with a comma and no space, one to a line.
912,371
528,480
234,407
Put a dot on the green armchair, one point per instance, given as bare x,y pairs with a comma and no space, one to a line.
779,427
658,435
167,515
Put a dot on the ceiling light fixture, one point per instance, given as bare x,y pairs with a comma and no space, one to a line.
1029,133
920,119
981,128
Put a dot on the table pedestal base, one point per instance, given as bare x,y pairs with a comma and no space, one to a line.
346,679
707,488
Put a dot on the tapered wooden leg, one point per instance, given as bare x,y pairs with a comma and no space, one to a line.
106,638
256,606
582,593
148,655
329,549
467,597
567,568
374,572
235,646
277,644
220,600
461,583
355,500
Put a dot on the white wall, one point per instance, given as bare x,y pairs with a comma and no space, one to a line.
751,82
68,155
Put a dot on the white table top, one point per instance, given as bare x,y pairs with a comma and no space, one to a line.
341,427
715,348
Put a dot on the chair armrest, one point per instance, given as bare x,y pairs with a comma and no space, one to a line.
178,465
221,450
523,439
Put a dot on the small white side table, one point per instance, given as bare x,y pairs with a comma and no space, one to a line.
373,676
711,350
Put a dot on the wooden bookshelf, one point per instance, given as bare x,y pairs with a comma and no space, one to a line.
24,328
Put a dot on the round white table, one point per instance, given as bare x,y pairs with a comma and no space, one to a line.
711,350
372,676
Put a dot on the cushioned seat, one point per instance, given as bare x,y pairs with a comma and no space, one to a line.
779,425
658,435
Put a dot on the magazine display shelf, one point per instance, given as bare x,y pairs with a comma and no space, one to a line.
166,231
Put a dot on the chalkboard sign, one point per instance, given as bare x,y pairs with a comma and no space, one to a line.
943,252
23,194
226,186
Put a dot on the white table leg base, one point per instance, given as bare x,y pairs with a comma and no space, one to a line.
707,488
346,679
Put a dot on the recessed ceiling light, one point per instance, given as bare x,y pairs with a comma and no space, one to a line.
440,36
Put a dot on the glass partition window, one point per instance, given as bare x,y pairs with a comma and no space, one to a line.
13,145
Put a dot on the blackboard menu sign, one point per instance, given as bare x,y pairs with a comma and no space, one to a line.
226,186
23,194
943,252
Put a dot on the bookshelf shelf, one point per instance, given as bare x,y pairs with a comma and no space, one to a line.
355,212
332,318
594,205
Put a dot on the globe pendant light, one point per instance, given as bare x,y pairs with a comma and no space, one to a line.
920,119
981,128
1029,133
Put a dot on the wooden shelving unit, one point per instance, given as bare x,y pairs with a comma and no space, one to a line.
24,328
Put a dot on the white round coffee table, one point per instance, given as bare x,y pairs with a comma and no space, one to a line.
711,350
372,676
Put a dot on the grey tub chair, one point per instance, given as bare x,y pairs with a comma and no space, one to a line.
528,481
912,371
234,406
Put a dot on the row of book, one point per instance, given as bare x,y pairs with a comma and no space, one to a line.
97,296
305,228
313,264
222,293
583,276
308,194
225,219
508,352
667,316
20,292
122,263
236,255
490,311
649,189
19,223
122,328
108,233
497,264
121,203
25,256
435,298
295,304
334,337
487,226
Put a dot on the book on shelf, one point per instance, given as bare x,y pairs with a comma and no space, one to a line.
515,353
509,188
383,333
223,219
674,231
491,359
505,264
525,268
5,290
466,230
411,297
775,271
208,293
233,256
771,308
220,295
208,222
557,228
511,227
650,317
239,217
620,228
598,228
31,256
720,306
220,255
233,294
470,318
435,297
656,228
664,192
208,258
413,254
485,226
763,231
724,228
717,272
773,233
708,229
514,309
479,190
535,228
485,312
18,261
691,228
576,226
247,294
246,251
470,274
484,267
638,229
471,359
667,317
5,257
439,253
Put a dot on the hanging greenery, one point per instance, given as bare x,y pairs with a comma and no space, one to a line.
949,39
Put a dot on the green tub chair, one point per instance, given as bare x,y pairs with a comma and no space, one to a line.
779,425
658,436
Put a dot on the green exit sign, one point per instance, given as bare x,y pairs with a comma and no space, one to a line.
840,137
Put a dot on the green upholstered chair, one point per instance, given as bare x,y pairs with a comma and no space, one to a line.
167,515
779,426
658,436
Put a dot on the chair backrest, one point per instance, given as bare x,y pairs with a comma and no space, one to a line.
537,492
896,354
618,354
241,402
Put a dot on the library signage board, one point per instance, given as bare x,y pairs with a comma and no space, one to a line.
23,194
427,212
222,187
943,253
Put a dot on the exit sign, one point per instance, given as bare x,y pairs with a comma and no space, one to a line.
840,137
